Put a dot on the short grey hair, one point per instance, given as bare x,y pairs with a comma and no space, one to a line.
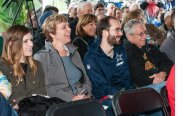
128,27
81,5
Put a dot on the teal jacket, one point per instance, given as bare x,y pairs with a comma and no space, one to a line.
1,45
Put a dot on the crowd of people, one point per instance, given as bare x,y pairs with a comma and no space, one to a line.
94,49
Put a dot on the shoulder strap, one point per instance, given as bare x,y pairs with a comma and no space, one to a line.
80,39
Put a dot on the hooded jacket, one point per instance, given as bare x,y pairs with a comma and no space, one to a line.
107,75
56,80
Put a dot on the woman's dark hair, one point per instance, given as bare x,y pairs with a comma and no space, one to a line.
98,5
86,19
13,50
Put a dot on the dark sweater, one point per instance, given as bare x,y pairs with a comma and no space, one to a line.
73,25
136,61
82,44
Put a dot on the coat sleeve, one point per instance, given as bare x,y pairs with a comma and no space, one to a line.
64,95
140,76
100,84
78,62
41,58
164,64
40,74
54,90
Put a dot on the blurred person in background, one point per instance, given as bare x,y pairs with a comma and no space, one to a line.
110,9
72,11
83,8
118,14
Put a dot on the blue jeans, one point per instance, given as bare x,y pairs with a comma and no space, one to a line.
5,108
156,87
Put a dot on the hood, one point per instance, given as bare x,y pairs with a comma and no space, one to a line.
49,47
95,48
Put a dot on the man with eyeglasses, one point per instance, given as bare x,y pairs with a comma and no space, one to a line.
148,66
106,62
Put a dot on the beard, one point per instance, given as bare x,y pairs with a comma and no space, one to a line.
112,40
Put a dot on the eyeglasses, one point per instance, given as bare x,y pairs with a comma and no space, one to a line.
141,34
117,30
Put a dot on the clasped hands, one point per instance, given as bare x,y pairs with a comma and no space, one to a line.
158,77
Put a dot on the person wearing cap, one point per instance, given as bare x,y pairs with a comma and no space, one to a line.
167,22
72,11
48,11
44,16
51,8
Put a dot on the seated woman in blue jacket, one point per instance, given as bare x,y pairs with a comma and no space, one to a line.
65,75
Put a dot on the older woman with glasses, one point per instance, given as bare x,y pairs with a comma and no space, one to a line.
65,76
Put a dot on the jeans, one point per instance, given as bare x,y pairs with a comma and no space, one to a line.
5,108
156,87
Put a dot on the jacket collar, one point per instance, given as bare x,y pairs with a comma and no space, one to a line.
70,47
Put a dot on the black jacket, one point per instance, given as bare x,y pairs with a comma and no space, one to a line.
82,44
73,25
139,75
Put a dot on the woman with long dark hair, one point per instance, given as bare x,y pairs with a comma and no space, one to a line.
23,72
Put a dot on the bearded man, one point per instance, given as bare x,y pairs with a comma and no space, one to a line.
106,62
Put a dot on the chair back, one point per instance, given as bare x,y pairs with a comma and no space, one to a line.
164,95
86,107
136,101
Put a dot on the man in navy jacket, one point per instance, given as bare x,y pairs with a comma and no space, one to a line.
106,61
